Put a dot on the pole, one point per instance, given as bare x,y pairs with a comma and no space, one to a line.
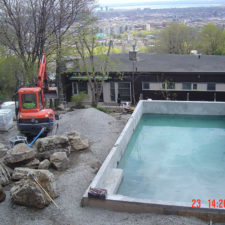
133,89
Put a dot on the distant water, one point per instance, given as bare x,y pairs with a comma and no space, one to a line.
164,6
175,158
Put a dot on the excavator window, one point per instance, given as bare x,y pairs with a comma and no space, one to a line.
29,101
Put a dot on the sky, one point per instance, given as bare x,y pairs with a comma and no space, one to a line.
105,2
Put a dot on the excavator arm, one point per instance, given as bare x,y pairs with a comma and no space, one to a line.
42,81
42,75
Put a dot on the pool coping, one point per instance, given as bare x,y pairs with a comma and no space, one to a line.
118,202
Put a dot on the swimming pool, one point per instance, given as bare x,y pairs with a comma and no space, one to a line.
155,165
175,158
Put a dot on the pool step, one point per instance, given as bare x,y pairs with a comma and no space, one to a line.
113,181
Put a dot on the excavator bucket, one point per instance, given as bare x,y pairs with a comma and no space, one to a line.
51,93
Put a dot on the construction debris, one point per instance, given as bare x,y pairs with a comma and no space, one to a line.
6,119
9,105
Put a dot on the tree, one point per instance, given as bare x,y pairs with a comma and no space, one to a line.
176,39
30,27
11,69
24,28
64,15
211,40
94,66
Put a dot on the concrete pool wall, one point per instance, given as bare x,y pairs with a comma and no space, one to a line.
109,176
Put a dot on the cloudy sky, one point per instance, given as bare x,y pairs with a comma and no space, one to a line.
104,2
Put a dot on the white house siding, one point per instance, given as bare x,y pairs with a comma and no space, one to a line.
116,90
202,87
220,87
179,87
155,86
106,92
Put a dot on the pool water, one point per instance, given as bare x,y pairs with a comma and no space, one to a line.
175,158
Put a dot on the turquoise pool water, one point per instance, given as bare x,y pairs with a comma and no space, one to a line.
175,158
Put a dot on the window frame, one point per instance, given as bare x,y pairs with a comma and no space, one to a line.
186,83
193,86
170,82
143,84
210,89
121,96
112,91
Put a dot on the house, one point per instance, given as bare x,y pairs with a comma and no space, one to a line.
157,76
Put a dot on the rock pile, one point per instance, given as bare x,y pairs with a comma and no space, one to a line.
58,148
49,145
28,192
31,163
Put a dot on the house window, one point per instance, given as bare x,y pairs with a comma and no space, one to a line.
186,86
170,85
195,86
163,85
112,92
82,87
79,87
124,91
145,85
211,87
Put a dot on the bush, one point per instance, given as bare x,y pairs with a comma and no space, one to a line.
100,108
78,99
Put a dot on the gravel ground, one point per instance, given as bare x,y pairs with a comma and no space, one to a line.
102,130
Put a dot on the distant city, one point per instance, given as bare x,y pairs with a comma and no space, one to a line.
138,23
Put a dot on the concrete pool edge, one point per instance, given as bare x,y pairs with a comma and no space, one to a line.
123,203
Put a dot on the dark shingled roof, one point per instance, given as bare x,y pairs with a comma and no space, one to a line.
168,63
172,63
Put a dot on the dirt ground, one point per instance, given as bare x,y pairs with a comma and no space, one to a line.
102,130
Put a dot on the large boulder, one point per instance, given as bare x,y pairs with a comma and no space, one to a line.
49,145
44,165
5,174
3,150
27,192
76,142
2,194
60,160
19,155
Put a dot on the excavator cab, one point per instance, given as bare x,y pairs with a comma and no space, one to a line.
29,101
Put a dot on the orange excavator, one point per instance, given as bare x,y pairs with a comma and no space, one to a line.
32,115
